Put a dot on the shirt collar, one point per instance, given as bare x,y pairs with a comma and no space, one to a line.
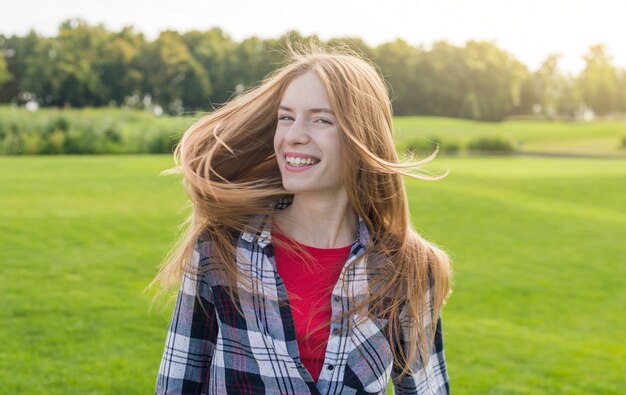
260,227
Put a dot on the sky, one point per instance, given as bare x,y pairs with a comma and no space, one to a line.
528,29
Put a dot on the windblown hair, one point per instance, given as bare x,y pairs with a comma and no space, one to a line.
231,174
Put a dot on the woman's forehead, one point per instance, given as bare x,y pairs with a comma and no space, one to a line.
306,90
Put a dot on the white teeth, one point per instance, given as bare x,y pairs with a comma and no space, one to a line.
293,161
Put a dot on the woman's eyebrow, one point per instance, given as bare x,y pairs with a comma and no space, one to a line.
312,110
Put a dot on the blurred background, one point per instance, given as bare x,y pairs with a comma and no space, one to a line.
526,101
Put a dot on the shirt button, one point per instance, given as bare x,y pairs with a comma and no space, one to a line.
336,332
337,298
330,367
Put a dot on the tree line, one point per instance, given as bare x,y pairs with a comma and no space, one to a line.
88,65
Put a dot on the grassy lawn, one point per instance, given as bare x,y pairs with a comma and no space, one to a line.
538,304
539,301
80,238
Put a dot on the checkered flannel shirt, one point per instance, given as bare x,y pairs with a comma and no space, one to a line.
213,349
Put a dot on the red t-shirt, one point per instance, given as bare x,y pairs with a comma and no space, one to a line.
310,290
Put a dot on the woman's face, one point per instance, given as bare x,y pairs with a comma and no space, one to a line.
308,140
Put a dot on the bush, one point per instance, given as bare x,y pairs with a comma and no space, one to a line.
451,148
491,145
56,142
419,146
428,146
159,144
87,131
12,144
59,123
32,143
3,130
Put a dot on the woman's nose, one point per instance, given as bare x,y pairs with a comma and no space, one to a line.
297,133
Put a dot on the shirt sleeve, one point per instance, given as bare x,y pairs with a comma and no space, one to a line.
429,378
190,343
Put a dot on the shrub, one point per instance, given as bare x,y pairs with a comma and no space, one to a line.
12,144
82,142
87,131
491,145
421,146
112,134
160,144
32,143
56,142
428,146
451,148
58,123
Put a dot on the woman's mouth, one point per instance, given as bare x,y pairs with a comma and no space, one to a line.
296,161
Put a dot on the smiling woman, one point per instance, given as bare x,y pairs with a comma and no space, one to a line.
308,143
300,270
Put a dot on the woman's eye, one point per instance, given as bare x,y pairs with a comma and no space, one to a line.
326,121
285,118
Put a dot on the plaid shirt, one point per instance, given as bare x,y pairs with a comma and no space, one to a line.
213,349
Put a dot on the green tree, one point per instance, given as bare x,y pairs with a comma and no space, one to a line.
549,84
398,61
549,92
355,44
119,70
39,76
215,51
599,81
621,91
17,53
75,55
442,81
495,78
173,77
5,75
478,81
255,58
570,99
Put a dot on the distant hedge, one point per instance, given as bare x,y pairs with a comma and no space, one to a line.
131,131
88,131
425,146
479,145
490,145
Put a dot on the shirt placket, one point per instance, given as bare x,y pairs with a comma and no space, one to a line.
339,343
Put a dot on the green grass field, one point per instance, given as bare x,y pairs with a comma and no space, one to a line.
538,248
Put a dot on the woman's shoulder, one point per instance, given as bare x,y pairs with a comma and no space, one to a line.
205,240
203,244
206,261
203,252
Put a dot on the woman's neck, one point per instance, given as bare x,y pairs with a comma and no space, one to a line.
319,223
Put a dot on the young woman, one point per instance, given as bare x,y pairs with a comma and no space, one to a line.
300,271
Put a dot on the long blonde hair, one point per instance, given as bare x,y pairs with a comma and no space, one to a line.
231,174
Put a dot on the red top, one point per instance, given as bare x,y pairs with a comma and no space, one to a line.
310,291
